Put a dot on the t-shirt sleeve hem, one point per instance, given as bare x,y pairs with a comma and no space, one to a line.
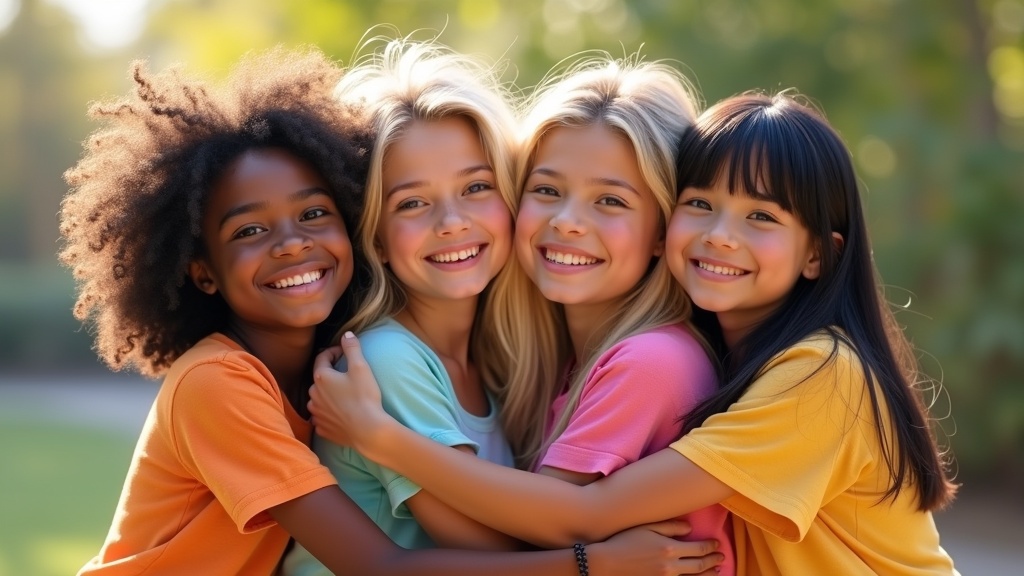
454,438
754,503
400,488
581,460
251,512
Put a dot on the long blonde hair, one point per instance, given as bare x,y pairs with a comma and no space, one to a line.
408,82
649,103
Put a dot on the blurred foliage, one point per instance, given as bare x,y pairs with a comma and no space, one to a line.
928,94
52,526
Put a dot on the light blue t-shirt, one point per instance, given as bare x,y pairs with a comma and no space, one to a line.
416,391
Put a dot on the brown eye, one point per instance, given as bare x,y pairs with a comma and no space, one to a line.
249,231
314,213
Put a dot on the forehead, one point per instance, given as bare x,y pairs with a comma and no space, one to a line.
593,147
432,149
266,176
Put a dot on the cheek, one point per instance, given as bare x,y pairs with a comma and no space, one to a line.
498,220
397,237
529,221
679,234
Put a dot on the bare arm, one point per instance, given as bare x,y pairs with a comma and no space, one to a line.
345,540
546,511
449,528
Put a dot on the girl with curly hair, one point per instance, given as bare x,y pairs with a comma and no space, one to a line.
207,228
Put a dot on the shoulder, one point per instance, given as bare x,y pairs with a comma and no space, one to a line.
820,359
668,354
666,348
214,354
216,368
389,342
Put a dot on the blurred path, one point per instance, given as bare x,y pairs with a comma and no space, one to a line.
982,532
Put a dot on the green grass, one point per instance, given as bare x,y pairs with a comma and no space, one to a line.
59,489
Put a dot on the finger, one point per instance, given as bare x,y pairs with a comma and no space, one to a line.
701,565
325,361
696,549
353,351
670,528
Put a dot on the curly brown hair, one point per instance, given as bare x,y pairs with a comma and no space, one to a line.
131,220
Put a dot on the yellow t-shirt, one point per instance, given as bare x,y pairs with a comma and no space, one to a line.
220,447
801,450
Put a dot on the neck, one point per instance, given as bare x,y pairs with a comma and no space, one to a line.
584,322
735,327
444,326
285,352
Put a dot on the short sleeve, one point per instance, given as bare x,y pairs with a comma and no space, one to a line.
633,401
230,431
416,391
793,441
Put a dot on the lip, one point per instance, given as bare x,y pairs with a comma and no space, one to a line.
713,276
470,262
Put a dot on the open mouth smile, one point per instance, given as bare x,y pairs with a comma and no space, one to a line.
298,280
455,256
720,270
569,259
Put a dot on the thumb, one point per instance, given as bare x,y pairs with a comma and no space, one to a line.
670,528
353,351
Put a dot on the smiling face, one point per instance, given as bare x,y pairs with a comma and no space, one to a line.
588,224
737,255
445,230
276,248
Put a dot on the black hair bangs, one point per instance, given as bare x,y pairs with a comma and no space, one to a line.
765,150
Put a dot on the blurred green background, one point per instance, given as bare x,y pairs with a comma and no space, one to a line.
928,94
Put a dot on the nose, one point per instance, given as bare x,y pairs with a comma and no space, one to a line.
452,220
566,219
291,241
719,232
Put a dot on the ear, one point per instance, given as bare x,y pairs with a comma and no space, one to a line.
812,269
200,275
378,247
659,248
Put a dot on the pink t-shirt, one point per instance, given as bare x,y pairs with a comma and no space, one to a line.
631,406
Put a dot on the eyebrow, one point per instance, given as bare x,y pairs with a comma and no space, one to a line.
296,196
418,183
600,181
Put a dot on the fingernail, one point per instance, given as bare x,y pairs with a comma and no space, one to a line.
349,334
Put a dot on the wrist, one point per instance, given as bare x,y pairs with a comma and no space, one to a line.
582,560
375,442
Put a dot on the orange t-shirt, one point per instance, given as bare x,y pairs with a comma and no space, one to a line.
221,445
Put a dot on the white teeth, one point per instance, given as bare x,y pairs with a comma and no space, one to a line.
723,270
570,259
456,256
299,279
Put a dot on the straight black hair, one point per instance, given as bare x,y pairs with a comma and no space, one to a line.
781,149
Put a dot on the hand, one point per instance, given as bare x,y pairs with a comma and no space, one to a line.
346,406
650,549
